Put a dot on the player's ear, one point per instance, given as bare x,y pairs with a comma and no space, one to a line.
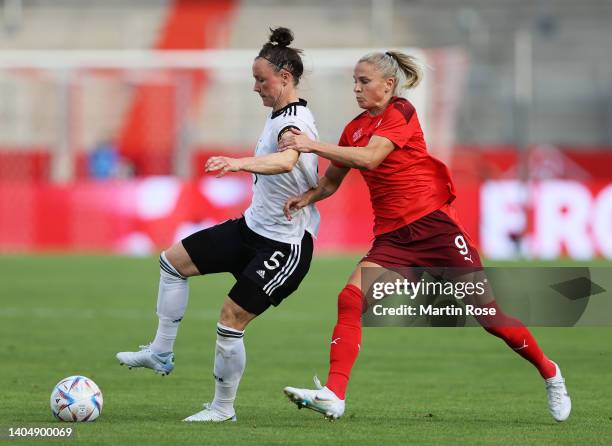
285,78
389,84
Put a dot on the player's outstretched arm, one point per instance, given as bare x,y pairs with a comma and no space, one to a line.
328,184
365,158
272,164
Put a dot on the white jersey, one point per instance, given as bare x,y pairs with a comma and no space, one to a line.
270,192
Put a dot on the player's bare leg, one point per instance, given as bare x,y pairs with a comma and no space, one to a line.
179,258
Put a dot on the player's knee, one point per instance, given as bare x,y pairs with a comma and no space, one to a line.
228,316
234,316
178,258
168,271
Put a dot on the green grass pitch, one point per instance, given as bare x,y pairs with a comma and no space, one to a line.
61,316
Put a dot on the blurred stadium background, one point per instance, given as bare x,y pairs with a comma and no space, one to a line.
109,109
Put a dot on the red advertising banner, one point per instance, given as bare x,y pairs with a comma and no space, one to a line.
145,215
508,218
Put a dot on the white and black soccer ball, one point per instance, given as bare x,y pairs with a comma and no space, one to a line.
76,398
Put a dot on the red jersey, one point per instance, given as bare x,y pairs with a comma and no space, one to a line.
409,183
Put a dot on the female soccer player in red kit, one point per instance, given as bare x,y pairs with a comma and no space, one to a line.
415,224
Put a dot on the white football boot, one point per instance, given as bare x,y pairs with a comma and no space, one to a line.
320,400
209,415
559,402
161,363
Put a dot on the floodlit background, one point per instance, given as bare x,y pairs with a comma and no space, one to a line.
108,111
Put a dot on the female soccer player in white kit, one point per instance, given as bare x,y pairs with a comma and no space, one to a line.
267,254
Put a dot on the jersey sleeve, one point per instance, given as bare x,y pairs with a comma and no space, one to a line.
397,127
343,142
286,123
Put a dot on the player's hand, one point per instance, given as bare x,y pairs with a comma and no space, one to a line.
296,140
294,204
223,164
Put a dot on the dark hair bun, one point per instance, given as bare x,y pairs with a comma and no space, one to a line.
281,36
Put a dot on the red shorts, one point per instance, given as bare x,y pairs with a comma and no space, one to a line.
436,240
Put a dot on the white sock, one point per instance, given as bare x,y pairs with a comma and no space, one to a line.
230,361
172,300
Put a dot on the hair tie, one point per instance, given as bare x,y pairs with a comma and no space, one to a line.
279,67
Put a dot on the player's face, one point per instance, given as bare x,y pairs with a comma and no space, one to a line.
371,89
269,83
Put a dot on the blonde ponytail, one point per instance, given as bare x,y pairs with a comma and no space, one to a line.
409,66
397,65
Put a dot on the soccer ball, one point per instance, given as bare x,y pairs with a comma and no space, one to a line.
76,398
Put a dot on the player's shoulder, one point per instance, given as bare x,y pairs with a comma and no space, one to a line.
296,114
356,121
359,117
400,107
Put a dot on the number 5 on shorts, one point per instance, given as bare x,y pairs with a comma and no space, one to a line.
274,261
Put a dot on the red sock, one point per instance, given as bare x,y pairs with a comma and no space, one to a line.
518,338
346,339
